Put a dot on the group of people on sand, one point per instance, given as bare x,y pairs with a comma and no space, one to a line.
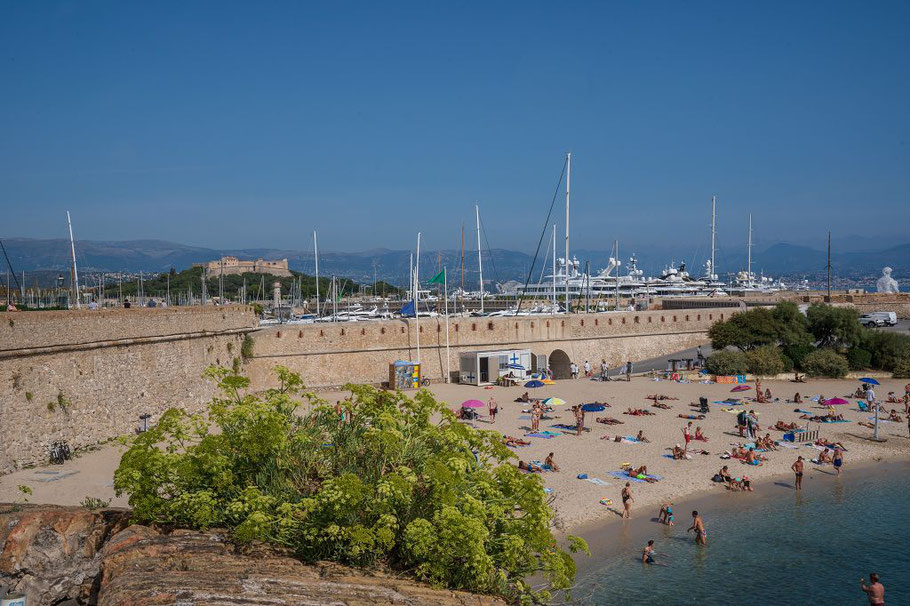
732,482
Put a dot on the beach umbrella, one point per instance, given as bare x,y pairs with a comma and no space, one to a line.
836,402
548,381
741,388
869,380
593,407
554,402
534,383
472,404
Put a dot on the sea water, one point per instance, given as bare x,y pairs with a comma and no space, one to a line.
774,546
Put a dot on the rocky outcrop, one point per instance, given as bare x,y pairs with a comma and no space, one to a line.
53,554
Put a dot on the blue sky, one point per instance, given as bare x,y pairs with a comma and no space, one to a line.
249,124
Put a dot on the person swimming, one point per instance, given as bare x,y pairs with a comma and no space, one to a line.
647,556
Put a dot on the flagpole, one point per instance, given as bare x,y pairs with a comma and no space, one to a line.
445,290
417,297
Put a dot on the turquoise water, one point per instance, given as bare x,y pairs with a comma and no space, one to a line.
772,547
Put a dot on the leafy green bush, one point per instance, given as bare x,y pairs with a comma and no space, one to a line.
902,368
859,359
727,363
246,347
787,362
887,348
825,363
798,353
392,481
764,361
834,326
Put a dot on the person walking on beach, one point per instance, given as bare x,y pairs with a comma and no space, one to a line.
629,370
698,525
875,591
870,398
627,501
647,556
492,408
604,371
797,468
573,367
687,435
587,368
579,420
838,460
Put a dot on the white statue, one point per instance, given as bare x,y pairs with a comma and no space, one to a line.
886,283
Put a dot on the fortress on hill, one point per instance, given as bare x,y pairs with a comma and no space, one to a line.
234,266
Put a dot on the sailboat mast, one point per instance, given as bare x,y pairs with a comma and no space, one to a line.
479,256
749,250
829,266
316,255
75,276
568,180
616,276
713,271
554,264
417,298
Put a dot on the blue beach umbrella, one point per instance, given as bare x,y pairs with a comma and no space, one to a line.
593,407
869,380
534,383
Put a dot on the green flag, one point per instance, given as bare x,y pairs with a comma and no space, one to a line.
439,278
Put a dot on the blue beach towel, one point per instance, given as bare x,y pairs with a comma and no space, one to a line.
545,436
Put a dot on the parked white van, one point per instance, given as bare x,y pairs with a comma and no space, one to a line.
878,318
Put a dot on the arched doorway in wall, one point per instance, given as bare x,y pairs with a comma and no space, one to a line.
559,364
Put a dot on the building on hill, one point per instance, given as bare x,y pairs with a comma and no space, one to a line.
234,266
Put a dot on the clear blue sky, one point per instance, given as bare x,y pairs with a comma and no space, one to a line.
249,124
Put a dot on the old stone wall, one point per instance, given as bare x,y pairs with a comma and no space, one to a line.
85,377
331,354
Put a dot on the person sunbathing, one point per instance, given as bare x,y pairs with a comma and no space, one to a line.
523,398
679,452
824,457
760,397
608,421
822,400
641,436
752,458
699,435
859,393
638,412
640,473
529,467
550,463
866,424
658,396
892,398
894,416
512,441
691,417
830,445
661,405
768,443
797,399
781,426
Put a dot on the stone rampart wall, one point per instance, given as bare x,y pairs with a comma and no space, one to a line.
332,354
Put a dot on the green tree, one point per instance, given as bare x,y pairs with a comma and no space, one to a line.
764,361
727,363
826,363
745,330
834,326
887,348
391,481
902,368
791,325
859,359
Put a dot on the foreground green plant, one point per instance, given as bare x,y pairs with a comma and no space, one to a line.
387,480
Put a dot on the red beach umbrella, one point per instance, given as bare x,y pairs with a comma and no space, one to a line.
741,388
472,404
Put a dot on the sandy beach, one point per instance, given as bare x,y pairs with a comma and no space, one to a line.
577,502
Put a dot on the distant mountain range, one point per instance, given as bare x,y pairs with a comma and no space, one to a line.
781,259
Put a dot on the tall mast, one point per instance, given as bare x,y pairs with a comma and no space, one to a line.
829,266
713,271
75,276
417,297
479,257
568,179
554,264
316,255
616,276
462,258
749,250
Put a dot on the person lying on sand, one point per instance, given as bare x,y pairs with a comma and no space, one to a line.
659,396
512,441
530,467
781,426
638,412
699,435
640,473
832,445
828,418
661,405
641,436
693,417
550,463
866,424
608,421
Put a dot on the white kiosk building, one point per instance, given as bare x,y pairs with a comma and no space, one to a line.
485,367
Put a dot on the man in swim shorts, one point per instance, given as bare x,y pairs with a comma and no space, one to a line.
698,525
797,468
875,591
647,556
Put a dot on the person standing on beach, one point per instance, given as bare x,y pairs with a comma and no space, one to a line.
875,591
535,417
698,525
604,371
573,368
647,556
797,468
629,370
492,408
687,434
587,368
579,420
838,460
627,501
870,399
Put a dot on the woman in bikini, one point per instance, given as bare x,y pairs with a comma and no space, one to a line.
627,501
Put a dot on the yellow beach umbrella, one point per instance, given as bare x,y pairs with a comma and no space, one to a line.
554,402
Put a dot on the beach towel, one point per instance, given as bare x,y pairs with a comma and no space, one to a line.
880,420
624,476
787,445
805,412
570,427
543,466
597,481
840,421
545,436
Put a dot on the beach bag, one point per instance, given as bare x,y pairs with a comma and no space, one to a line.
717,478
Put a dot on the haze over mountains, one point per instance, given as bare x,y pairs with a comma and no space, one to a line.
780,259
